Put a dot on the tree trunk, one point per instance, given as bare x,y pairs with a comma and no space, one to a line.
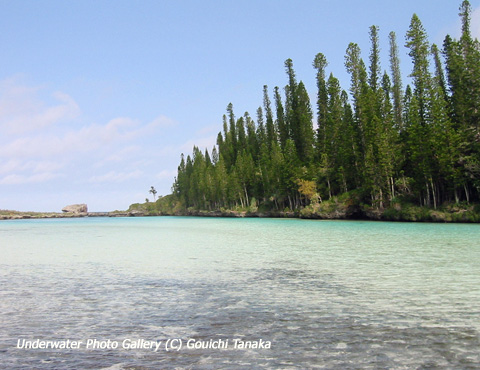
427,200
392,184
246,196
434,194
381,198
467,194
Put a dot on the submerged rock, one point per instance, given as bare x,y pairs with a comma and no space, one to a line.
75,208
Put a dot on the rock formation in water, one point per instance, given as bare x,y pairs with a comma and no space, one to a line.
76,208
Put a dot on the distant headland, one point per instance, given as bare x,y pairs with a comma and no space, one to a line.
70,211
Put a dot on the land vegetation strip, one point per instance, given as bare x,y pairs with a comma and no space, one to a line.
14,215
340,208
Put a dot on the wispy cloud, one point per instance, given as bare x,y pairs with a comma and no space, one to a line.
85,139
22,111
34,149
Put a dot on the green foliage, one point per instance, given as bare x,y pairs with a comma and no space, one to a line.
167,205
379,150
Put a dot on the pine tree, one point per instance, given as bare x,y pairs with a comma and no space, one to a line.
291,103
232,132
241,135
252,143
352,64
215,157
439,74
397,82
388,139
221,183
319,64
350,138
282,127
245,169
364,107
374,59
305,137
358,88
270,127
417,42
334,147
291,173
261,134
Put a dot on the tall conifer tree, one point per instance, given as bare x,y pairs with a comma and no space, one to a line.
397,81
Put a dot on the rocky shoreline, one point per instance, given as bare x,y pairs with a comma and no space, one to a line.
407,214
15,215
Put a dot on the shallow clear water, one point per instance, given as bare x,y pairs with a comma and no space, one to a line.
326,294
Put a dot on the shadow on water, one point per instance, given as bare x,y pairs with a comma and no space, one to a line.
311,321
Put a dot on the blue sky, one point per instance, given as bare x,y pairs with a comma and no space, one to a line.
98,99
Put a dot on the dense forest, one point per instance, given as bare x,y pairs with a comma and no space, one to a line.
375,144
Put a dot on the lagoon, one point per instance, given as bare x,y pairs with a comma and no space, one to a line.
324,294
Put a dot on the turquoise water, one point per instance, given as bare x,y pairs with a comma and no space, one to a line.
324,294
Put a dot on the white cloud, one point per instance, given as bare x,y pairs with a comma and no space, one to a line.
44,166
119,123
10,165
86,139
15,171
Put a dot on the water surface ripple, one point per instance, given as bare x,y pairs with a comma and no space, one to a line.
326,294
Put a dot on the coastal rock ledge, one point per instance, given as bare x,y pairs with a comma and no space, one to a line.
75,208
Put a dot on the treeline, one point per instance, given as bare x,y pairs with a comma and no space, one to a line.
377,143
